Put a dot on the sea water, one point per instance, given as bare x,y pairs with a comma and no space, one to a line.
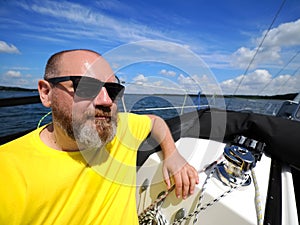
20,118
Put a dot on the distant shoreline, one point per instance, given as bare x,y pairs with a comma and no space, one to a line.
289,96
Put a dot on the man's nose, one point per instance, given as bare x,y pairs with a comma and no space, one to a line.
103,98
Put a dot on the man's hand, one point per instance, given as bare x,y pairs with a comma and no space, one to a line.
185,176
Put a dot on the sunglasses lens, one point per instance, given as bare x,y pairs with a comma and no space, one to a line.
87,87
115,91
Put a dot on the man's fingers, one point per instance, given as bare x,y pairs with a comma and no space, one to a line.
167,178
185,182
193,181
186,185
185,178
178,185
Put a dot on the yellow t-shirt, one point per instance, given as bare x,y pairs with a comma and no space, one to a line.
40,185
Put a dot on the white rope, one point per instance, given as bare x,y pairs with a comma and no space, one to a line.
208,204
152,215
202,194
257,199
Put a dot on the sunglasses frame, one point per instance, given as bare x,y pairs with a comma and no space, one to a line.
114,90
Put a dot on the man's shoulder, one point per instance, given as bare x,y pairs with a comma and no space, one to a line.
132,116
134,121
22,140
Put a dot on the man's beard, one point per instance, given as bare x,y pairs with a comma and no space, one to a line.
84,128
94,133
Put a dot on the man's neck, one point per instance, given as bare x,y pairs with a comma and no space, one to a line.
57,139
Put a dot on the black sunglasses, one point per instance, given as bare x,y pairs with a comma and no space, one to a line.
88,87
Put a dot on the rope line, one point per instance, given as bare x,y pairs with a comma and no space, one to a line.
152,215
209,204
153,206
202,193
257,199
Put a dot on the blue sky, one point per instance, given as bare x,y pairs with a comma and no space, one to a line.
160,42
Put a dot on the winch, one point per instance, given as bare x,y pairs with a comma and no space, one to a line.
239,160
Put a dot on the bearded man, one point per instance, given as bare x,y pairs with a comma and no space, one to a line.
80,169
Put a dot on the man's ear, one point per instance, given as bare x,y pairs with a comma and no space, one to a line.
45,89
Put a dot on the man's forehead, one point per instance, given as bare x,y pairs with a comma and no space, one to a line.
86,64
80,61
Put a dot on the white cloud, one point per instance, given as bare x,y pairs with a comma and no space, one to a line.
261,82
252,83
89,22
186,80
284,84
22,82
195,83
168,73
284,36
19,68
6,48
114,5
14,78
243,56
152,85
140,79
13,73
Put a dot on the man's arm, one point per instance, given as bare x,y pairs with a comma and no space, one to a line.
185,176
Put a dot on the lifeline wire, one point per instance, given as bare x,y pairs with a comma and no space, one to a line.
257,50
261,43
278,73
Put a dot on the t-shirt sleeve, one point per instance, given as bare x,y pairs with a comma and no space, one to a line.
133,128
